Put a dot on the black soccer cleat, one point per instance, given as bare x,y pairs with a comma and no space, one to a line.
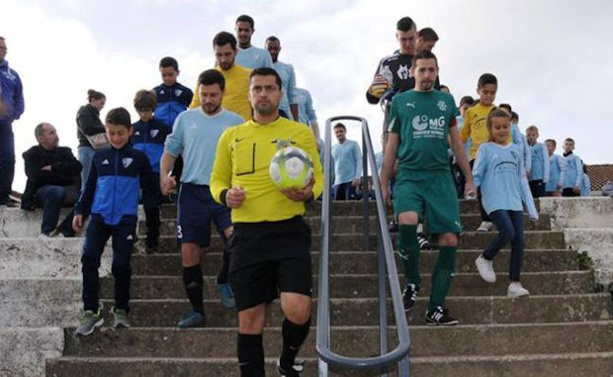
409,296
440,317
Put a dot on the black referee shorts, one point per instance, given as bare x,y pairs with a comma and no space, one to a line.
268,258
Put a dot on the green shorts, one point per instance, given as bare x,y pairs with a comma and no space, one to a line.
432,194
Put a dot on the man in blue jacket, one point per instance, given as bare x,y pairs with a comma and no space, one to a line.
11,108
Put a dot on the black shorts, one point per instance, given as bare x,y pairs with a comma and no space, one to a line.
268,258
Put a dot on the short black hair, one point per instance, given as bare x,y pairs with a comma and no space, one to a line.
425,54
570,139
514,116
223,38
145,100
94,95
467,100
405,24
266,71
246,18
552,142
486,79
428,34
169,61
506,106
340,125
272,38
119,117
212,76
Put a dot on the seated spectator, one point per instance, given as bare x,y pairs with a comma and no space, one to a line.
53,181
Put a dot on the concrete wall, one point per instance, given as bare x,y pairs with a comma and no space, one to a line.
588,226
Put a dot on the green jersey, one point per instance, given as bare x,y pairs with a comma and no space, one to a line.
422,121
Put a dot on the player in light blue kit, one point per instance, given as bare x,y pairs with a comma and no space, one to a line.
347,165
249,56
539,173
574,172
557,170
499,171
288,79
194,136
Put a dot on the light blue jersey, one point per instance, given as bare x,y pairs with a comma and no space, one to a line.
253,57
540,162
574,172
499,171
557,171
586,189
520,139
306,113
288,81
195,135
347,162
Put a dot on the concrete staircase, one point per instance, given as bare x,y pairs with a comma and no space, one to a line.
563,329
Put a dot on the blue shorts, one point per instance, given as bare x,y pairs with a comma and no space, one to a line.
196,210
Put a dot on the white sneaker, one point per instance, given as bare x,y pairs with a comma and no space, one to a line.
486,269
485,226
43,236
516,290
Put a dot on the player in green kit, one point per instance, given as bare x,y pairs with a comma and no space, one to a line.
421,120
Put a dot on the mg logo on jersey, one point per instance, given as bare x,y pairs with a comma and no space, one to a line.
421,122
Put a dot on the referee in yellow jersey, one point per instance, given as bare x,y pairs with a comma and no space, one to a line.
271,242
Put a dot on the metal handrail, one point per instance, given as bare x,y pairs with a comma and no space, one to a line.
386,263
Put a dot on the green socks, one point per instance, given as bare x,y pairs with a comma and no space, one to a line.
408,249
442,276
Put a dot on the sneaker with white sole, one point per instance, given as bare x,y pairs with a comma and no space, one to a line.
89,321
120,319
294,371
485,226
516,290
440,317
486,269
409,296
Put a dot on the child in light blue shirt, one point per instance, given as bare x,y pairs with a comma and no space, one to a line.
574,173
539,172
557,170
499,172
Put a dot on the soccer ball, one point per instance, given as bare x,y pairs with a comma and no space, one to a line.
291,167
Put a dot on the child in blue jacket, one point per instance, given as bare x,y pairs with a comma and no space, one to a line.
149,136
111,197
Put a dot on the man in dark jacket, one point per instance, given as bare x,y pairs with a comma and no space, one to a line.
53,180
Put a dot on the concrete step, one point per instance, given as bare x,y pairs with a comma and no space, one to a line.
349,241
345,208
362,286
16,223
355,224
427,341
365,262
564,365
24,350
45,258
364,312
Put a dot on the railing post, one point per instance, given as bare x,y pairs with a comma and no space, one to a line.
366,211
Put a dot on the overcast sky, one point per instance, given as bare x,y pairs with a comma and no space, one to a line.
553,59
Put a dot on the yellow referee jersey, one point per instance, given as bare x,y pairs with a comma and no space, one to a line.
235,94
243,158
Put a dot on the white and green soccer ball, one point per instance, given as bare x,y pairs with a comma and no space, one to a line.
291,167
